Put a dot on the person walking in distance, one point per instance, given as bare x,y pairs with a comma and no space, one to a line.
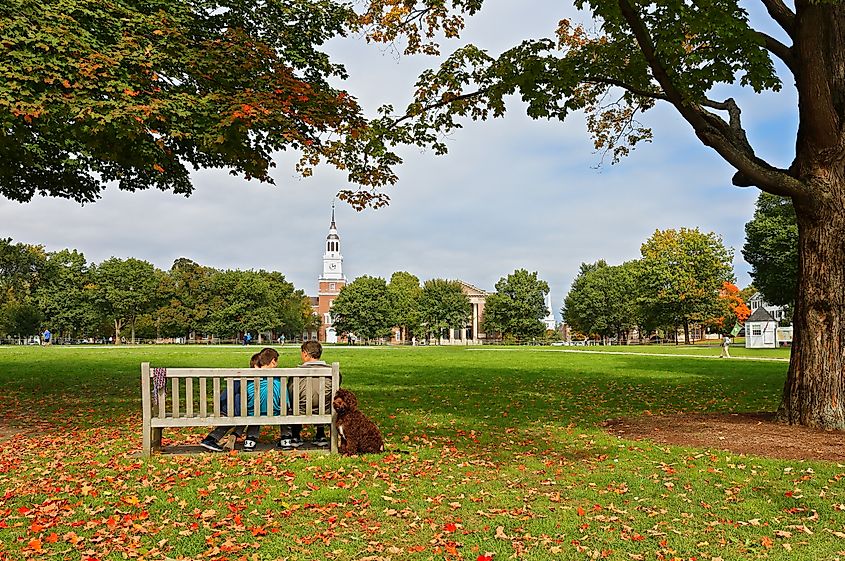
726,343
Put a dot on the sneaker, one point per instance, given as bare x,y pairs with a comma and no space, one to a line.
210,444
249,445
285,444
289,443
321,441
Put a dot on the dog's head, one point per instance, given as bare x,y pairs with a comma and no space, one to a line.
344,401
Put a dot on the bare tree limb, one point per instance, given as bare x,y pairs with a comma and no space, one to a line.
779,49
781,13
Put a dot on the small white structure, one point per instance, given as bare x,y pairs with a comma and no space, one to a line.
760,330
549,321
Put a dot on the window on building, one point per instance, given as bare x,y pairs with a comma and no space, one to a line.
332,286
756,330
327,319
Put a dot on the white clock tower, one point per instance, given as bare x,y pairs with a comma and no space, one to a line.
332,259
330,283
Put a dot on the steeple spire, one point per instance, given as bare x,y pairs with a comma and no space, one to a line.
333,227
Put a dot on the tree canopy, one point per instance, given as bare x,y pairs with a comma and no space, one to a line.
518,306
364,307
404,289
603,300
138,92
690,56
79,300
443,305
771,248
681,275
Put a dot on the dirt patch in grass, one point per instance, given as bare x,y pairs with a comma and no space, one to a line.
7,432
754,434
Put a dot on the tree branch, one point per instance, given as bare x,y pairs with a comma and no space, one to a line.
778,49
781,13
448,100
710,129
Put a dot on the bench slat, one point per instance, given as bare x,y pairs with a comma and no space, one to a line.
242,372
256,410
174,387
216,403
230,400
295,395
189,397
203,399
262,420
308,395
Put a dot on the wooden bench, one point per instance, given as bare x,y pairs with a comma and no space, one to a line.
190,397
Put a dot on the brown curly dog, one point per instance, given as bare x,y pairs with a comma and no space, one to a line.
358,434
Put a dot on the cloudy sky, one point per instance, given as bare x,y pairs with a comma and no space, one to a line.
511,193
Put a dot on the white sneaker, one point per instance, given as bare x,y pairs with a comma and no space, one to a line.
249,445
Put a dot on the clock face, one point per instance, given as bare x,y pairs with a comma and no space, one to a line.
332,266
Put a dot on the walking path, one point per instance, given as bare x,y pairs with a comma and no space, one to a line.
675,355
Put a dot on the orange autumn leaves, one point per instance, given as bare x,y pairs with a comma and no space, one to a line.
735,308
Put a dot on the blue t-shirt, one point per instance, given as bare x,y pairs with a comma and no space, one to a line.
262,392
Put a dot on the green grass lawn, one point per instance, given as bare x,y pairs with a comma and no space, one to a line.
505,460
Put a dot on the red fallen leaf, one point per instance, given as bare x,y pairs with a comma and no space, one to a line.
485,558
450,527
52,538
581,511
416,548
637,537
23,510
35,544
258,531
36,528
767,542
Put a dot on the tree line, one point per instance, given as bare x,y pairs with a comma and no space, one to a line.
76,299
371,307
684,277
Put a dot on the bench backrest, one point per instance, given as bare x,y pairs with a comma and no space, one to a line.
193,395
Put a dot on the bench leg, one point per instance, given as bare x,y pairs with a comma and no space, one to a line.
146,442
157,439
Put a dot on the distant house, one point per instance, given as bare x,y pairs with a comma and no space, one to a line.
756,302
761,330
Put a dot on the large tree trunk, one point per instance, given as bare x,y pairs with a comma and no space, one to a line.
814,393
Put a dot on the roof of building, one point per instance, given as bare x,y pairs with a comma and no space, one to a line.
760,314
473,289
